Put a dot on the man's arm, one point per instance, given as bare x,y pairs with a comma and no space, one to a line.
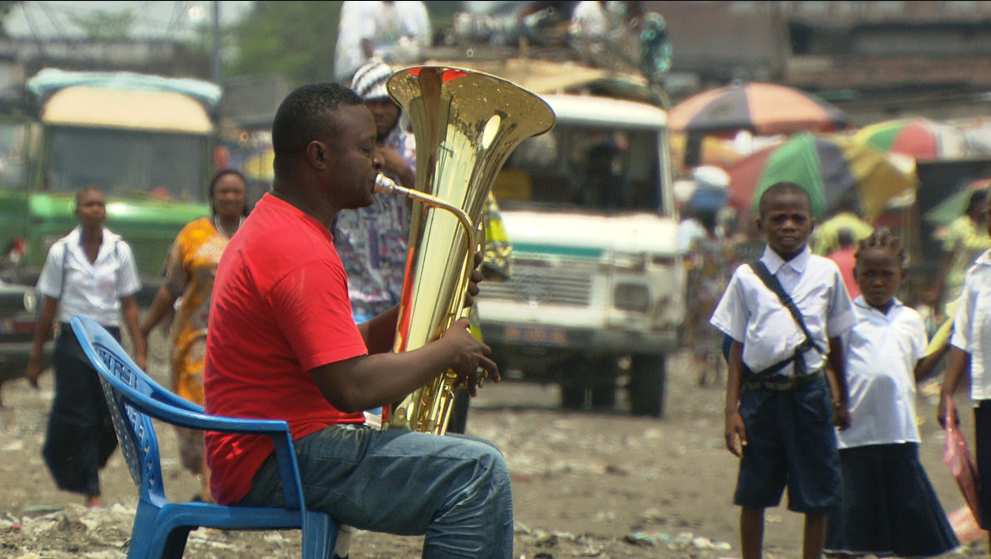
42,331
735,432
380,332
841,407
924,367
367,382
164,301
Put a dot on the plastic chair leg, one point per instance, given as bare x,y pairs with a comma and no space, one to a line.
319,536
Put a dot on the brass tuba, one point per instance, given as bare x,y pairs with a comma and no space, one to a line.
466,124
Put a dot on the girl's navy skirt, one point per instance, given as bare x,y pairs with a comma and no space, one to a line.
889,507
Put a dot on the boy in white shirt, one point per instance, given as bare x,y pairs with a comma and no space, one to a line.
779,418
971,344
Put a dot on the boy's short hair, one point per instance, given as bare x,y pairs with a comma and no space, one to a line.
783,187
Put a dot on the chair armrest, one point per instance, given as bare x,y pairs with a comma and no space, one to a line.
154,401
275,429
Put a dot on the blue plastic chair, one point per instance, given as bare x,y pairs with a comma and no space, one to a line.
160,527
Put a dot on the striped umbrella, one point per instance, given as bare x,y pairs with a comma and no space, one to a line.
917,137
765,109
715,151
832,169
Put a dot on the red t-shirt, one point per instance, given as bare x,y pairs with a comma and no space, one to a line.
280,308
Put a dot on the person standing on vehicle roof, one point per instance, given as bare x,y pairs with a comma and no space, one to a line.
90,272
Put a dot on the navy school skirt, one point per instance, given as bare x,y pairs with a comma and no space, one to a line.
81,435
889,507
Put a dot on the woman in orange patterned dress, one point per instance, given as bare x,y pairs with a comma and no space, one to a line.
190,270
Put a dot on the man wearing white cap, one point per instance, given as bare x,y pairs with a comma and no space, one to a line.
372,241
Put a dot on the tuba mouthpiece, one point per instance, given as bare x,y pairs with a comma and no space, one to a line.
384,185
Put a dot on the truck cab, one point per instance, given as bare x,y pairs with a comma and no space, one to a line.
597,287
144,140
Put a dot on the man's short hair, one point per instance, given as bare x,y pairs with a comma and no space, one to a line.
782,188
302,118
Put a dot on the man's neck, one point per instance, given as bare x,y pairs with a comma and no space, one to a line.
313,206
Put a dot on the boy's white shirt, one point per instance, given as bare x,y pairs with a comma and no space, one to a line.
972,326
751,313
881,353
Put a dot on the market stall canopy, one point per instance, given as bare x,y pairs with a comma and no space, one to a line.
833,169
916,137
715,151
764,109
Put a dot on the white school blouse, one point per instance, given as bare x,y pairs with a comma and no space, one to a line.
751,313
881,353
972,326
90,290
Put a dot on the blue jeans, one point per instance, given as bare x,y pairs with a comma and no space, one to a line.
454,490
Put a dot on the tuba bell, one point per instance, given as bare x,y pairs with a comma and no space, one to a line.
466,124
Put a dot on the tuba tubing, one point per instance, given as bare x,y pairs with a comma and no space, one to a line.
466,124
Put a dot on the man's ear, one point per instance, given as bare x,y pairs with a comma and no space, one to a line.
316,154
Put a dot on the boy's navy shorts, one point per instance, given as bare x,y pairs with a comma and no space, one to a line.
791,441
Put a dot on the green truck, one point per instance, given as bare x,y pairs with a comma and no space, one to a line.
145,140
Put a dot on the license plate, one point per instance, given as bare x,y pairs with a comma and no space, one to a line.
535,335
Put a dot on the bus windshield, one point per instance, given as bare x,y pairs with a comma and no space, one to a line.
126,162
576,168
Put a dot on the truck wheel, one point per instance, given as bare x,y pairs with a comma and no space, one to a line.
646,388
604,396
572,396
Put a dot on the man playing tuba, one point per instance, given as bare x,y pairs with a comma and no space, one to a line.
283,345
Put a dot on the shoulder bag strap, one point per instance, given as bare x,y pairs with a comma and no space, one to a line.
774,285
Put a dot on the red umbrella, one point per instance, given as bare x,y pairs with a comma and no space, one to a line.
765,109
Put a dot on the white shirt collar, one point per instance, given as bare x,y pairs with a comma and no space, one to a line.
774,262
984,259
106,244
862,303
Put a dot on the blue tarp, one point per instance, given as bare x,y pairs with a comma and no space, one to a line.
50,80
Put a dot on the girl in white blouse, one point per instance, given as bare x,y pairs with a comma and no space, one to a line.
889,507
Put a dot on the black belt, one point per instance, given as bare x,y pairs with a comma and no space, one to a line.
780,383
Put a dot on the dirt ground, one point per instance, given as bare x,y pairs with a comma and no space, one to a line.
585,484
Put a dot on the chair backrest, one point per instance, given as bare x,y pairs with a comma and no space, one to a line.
135,430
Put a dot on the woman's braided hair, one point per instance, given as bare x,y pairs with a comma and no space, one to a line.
884,239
